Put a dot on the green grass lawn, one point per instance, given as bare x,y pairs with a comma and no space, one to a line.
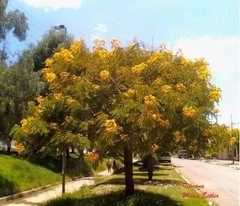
18,175
166,189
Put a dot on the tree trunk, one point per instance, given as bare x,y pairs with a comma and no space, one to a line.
68,153
63,170
128,170
150,166
8,149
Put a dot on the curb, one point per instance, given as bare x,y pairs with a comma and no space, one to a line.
35,190
209,202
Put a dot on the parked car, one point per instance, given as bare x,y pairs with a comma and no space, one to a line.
165,157
182,154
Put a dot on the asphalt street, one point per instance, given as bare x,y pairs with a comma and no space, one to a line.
216,181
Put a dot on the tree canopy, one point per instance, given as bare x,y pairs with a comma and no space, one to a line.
127,98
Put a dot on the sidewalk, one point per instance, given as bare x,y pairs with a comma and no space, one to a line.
53,192
223,162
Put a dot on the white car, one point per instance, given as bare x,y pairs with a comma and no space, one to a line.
165,157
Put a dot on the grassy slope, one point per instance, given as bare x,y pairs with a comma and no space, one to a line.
17,175
166,189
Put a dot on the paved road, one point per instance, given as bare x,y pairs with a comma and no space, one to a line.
221,180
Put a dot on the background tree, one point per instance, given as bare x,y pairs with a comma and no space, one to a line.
12,21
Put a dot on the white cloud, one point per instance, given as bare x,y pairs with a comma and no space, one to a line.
223,55
53,4
101,28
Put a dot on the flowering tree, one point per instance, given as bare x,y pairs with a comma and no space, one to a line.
123,98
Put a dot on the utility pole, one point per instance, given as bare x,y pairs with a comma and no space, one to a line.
232,136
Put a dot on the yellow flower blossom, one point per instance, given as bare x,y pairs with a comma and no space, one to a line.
95,87
57,55
64,74
53,125
39,99
124,137
102,53
158,81
233,140
164,123
48,62
155,147
45,70
66,55
57,96
205,133
24,122
204,73
166,88
188,111
70,100
50,77
129,93
139,68
154,57
215,94
68,119
149,100
104,75
180,87
110,125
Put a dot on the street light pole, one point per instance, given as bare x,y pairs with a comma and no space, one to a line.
61,27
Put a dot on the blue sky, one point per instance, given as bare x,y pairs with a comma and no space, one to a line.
201,28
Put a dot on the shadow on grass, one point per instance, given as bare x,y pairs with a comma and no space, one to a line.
7,187
145,174
140,198
138,181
